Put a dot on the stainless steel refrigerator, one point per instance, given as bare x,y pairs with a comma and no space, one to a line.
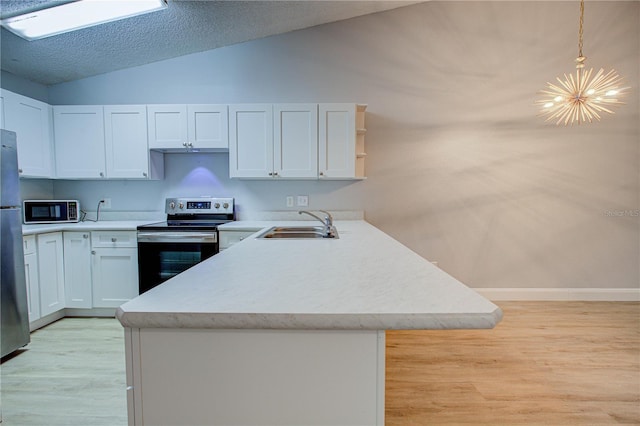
14,328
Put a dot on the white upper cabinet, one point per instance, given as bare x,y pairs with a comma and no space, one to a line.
79,141
251,141
208,126
94,142
273,141
188,127
126,148
341,141
295,149
31,120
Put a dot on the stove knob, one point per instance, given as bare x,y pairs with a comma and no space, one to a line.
216,205
181,205
225,205
172,205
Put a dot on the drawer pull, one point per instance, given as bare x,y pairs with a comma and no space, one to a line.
114,239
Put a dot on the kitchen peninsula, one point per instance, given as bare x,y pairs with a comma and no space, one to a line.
285,332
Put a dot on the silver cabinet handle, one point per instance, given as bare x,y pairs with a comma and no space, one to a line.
101,174
19,170
113,240
93,252
85,236
144,174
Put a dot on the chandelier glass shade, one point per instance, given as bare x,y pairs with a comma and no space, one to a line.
581,96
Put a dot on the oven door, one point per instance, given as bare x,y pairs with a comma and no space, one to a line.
164,254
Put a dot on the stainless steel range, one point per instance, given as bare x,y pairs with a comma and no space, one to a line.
189,236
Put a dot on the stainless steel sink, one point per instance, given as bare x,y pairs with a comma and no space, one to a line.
295,232
297,229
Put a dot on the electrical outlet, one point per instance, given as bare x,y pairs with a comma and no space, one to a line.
303,200
289,200
106,203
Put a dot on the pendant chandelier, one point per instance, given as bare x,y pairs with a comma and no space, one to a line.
582,96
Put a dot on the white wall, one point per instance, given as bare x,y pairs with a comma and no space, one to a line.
460,168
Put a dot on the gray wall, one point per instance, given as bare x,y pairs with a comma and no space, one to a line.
25,87
460,168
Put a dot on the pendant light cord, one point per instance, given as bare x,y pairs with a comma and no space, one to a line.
580,28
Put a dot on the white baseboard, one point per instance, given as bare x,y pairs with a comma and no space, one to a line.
562,294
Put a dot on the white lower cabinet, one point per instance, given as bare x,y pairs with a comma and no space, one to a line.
31,277
231,237
51,272
114,268
77,269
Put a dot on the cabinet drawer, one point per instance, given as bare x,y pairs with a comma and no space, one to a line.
113,239
29,244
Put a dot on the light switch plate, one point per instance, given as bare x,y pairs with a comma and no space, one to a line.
289,200
303,200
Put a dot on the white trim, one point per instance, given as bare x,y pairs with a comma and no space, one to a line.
562,294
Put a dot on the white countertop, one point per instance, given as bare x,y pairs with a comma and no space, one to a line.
363,280
110,225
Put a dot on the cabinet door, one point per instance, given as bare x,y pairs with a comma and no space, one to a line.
208,126
79,141
2,95
31,120
167,126
33,285
229,238
126,147
115,276
295,149
77,270
251,141
51,272
337,140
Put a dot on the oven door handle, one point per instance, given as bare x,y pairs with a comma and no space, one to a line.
177,237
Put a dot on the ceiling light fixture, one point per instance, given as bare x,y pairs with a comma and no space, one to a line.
77,15
582,97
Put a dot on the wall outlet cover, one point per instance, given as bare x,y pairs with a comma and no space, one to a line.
303,200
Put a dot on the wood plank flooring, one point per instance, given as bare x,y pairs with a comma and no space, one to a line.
73,373
547,363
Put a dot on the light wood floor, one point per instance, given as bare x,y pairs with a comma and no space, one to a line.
73,373
546,363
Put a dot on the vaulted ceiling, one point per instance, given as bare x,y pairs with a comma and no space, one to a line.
186,26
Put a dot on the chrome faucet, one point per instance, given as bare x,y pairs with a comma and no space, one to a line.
329,230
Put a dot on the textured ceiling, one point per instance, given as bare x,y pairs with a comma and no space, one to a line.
185,27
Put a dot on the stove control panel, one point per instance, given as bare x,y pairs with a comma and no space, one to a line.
202,205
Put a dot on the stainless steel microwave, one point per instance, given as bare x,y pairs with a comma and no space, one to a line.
50,211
